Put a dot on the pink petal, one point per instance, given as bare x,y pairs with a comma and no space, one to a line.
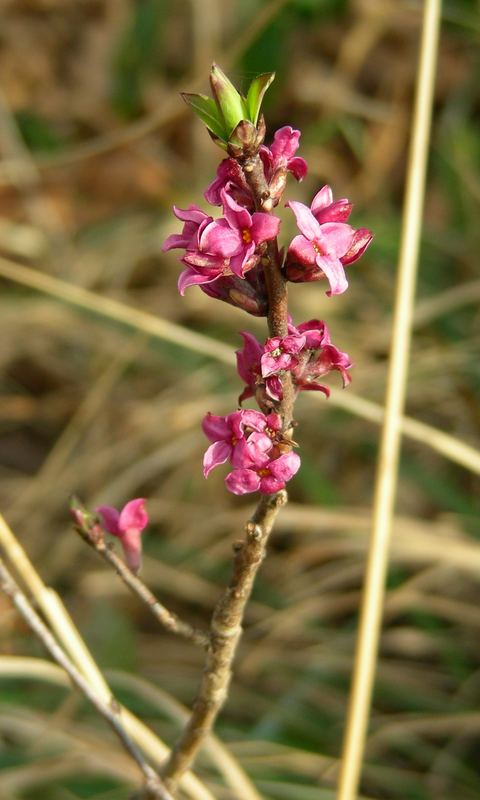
248,359
333,269
311,386
298,167
219,239
217,454
133,515
285,143
189,277
339,211
254,419
132,549
302,250
285,466
361,239
192,214
273,388
110,518
216,428
269,484
306,222
175,241
335,238
242,481
238,218
264,227
322,199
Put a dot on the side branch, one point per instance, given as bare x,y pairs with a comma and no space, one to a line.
154,788
92,534
226,630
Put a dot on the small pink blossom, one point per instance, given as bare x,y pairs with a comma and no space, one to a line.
195,220
281,154
312,257
127,525
226,246
264,475
250,370
227,434
280,354
321,244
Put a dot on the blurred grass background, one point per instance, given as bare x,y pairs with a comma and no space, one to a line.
95,146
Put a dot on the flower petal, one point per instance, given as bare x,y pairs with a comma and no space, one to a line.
264,227
285,143
322,199
306,222
298,167
217,454
219,239
333,269
302,250
237,217
242,481
190,277
285,466
133,515
216,428
110,517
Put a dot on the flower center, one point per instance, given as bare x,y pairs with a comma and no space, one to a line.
318,248
276,353
246,235
263,472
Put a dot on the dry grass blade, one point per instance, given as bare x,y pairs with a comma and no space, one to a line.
386,481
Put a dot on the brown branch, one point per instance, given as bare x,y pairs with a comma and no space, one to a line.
275,281
92,533
226,630
154,787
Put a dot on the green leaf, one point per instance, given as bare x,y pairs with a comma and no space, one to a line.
207,109
255,95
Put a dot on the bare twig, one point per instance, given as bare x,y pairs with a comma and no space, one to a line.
92,533
226,630
110,711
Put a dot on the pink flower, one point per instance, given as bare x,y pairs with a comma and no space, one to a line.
227,434
227,246
230,177
127,525
280,156
195,220
311,258
250,370
322,245
263,475
279,354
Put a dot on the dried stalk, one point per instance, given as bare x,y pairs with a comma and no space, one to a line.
387,466
111,712
93,536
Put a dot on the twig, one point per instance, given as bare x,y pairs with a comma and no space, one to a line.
110,711
226,630
91,532
387,466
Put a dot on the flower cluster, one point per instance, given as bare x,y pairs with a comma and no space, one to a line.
307,353
256,448
232,257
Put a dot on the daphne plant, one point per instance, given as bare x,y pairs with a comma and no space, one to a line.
231,251
236,257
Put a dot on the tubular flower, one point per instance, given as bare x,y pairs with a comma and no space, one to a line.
227,434
281,154
324,249
222,247
127,525
230,177
264,475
